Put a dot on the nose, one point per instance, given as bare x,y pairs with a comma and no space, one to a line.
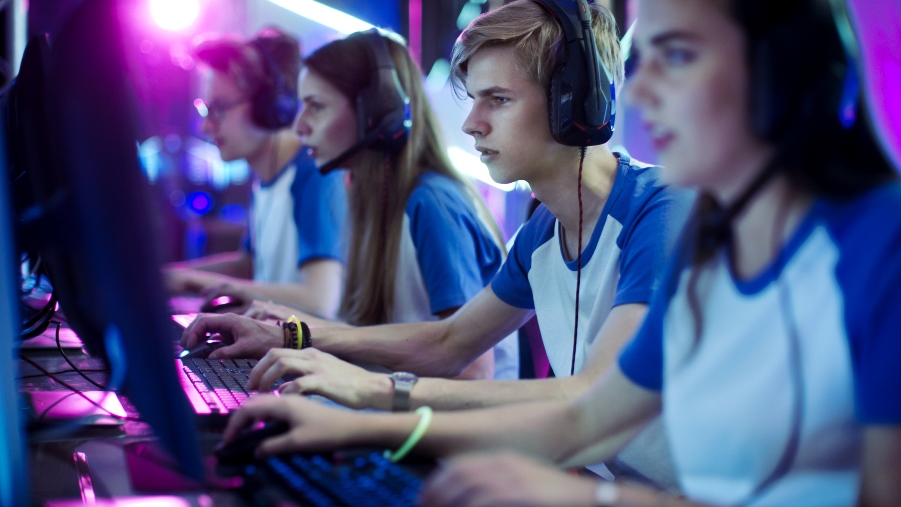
207,126
475,125
639,87
300,124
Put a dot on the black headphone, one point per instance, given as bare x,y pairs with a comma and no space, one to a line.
383,107
274,104
801,75
581,99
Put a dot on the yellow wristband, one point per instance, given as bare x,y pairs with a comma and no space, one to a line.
425,418
294,320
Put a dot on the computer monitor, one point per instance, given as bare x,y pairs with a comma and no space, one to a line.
93,219
13,461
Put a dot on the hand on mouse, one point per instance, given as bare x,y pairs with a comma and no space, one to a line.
312,426
323,374
227,296
247,338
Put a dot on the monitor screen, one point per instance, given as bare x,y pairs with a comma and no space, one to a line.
93,219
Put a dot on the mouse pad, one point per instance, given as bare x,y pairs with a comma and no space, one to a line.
152,469
54,406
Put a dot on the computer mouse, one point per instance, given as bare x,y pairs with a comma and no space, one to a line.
202,350
242,448
222,304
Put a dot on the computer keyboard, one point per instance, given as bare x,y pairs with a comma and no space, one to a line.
361,481
215,387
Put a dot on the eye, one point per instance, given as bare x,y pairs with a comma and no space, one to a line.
496,99
678,57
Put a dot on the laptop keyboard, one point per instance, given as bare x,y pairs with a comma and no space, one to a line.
365,480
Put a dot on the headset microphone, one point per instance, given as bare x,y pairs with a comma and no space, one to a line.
383,108
338,162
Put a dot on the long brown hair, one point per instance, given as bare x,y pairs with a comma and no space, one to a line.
381,183
798,65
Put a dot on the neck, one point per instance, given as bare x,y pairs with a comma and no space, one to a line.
770,218
558,188
274,153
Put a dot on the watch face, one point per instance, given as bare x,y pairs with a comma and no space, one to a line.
404,376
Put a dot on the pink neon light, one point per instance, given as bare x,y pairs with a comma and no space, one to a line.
174,15
415,10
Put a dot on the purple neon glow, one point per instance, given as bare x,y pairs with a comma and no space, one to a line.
200,202
174,15
415,16
877,23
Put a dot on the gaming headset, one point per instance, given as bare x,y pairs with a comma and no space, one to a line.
383,108
799,76
274,104
581,99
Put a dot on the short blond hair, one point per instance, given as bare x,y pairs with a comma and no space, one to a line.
537,39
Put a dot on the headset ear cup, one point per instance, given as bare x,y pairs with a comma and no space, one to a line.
274,109
553,108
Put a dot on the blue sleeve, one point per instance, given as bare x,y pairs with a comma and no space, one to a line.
647,243
641,360
452,246
320,214
246,244
870,275
512,282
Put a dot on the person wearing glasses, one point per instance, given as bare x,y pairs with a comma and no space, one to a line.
293,252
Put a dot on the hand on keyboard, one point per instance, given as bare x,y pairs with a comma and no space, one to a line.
323,374
313,427
248,338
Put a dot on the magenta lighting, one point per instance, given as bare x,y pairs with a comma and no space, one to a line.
174,15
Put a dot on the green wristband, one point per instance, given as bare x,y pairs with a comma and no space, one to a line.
425,418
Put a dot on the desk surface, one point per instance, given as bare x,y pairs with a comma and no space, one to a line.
55,478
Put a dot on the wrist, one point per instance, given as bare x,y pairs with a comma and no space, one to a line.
381,392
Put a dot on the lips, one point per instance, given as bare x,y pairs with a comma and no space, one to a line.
487,153
660,138
662,141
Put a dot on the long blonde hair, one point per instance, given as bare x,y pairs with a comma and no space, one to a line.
381,184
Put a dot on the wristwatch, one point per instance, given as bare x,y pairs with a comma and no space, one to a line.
403,384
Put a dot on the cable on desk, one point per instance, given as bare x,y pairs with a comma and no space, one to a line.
63,372
59,347
76,391
39,322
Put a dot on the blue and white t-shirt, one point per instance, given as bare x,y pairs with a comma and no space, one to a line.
621,263
728,404
297,217
446,256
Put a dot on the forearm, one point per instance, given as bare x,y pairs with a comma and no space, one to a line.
420,348
297,296
444,394
234,264
535,429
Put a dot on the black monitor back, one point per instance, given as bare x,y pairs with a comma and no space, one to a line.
93,223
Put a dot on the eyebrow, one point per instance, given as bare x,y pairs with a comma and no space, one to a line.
491,90
666,37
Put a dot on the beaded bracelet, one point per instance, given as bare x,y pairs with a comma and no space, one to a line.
290,330
306,336
425,418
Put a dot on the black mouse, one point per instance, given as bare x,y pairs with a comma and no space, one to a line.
221,304
242,448
202,350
